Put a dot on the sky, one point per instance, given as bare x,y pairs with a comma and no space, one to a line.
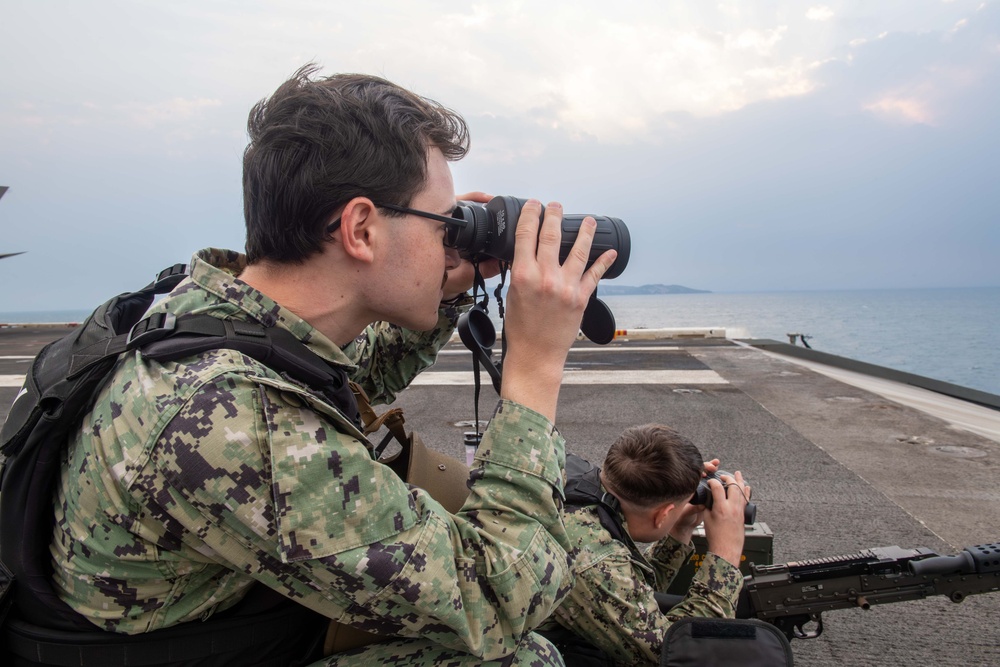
749,146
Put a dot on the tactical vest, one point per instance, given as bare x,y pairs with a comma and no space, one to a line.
265,629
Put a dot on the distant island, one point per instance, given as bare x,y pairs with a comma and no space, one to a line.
606,289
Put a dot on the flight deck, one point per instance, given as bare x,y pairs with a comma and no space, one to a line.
835,467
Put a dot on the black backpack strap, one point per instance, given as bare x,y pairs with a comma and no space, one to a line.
583,489
168,338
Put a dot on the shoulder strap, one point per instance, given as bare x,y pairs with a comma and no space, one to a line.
167,338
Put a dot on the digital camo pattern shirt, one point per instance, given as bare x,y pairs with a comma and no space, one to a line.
611,605
189,481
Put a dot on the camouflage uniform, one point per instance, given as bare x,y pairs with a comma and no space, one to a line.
611,605
190,481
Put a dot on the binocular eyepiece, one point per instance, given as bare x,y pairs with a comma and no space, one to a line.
489,230
703,496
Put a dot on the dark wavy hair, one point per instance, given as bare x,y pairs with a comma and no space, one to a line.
316,143
652,464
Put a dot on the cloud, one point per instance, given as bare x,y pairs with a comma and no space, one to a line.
681,69
576,67
177,111
908,110
820,13
884,166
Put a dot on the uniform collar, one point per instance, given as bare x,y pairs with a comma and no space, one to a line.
216,271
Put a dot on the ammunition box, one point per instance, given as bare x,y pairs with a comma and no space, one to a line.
758,547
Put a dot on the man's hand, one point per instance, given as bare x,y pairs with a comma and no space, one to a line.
724,528
545,304
688,518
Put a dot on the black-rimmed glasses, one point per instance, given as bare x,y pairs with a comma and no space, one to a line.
453,224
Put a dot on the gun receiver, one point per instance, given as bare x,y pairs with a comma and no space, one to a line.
795,594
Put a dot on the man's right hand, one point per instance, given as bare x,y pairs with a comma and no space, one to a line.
724,527
545,305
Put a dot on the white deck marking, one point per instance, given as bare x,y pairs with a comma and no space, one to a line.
582,350
448,378
594,377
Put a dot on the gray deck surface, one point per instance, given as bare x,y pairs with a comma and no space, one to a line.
834,469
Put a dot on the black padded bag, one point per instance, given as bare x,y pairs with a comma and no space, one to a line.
734,642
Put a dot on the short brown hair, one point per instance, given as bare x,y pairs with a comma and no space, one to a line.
315,144
652,464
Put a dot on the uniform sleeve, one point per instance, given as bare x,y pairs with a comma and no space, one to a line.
667,558
713,592
714,589
388,357
273,491
613,607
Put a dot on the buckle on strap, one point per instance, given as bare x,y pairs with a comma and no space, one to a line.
175,270
150,329
168,278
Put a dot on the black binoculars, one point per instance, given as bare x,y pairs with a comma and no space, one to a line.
703,496
489,230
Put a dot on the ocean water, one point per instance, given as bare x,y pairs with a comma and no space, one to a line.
946,334
42,316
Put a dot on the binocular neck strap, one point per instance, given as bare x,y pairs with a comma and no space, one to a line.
479,284
480,354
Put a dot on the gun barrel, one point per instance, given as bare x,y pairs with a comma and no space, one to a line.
960,563
980,559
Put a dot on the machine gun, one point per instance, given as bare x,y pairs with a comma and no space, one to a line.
792,595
